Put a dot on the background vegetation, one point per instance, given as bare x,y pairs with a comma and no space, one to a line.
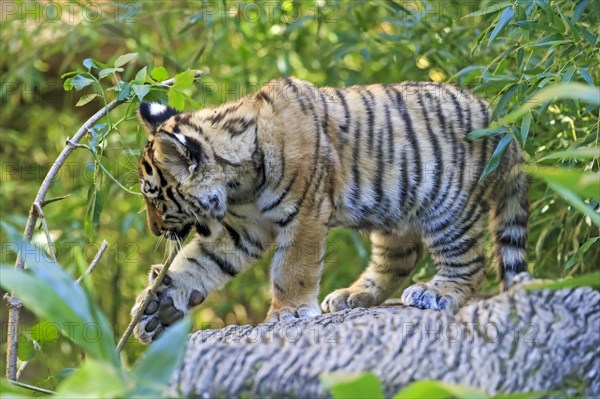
505,51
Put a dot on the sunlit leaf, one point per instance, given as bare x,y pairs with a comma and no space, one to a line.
86,99
356,385
439,390
108,71
159,74
94,380
489,9
124,59
176,99
589,279
586,184
575,91
184,79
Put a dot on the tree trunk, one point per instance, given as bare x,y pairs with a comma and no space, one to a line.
519,341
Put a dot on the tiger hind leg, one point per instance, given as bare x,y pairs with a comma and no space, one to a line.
459,255
393,257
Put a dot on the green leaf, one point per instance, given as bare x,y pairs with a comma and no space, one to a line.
50,292
577,153
176,99
576,202
25,348
159,74
86,99
586,184
589,279
63,374
505,18
503,103
439,390
45,331
580,252
90,63
108,71
141,91
140,77
496,156
574,91
165,355
355,385
489,9
184,79
123,91
478,133
79,82
94,380
523,132
124,59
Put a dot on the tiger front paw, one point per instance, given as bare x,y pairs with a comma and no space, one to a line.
348,298
173,299
448,297
292,312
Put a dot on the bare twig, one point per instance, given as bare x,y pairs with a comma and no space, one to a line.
41,215
32,387
149,295
51,200
92,265
14,304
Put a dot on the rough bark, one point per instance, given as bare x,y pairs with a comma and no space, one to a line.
519,341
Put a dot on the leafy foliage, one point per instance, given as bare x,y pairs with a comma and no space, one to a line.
516,54
52,294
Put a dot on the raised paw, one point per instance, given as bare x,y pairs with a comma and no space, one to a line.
347,298
173,299
432,296
291,312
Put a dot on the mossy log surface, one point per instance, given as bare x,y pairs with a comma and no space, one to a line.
518,341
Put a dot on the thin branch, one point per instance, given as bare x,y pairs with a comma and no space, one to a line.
14,307
41,215
92,265
151,291
51,200
32,387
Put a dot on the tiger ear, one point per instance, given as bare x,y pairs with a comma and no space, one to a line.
152,115
180,155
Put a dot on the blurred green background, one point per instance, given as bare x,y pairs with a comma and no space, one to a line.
504,56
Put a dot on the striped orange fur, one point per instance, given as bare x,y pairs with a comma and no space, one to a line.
285,164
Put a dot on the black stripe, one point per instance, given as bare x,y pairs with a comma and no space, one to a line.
437,154
147,166
237,125
169,195
225,266
369,110
261,95
346,126
325,118
411,138
390,138
355,162
163,181
281,196
288,81
237,241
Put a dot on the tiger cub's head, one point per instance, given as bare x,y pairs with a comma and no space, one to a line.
182,184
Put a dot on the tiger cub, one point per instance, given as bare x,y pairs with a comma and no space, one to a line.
287,163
